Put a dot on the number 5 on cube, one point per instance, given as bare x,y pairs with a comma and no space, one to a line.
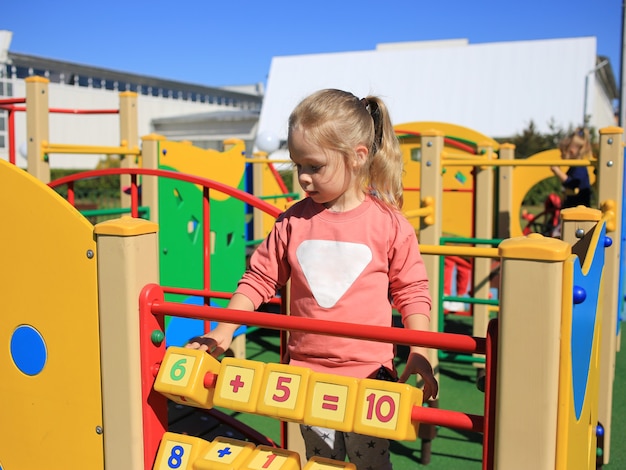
285,391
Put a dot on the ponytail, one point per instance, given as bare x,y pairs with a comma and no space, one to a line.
386,166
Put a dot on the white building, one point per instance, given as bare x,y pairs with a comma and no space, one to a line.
494,88
179,111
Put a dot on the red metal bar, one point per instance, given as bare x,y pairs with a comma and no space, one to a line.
8,104
214,185
279,180
447,140
446,190
134,197
206,247
208,293
13,108
5,101
11,130
83,111
154,404
491,370
447,418
70,194
447,341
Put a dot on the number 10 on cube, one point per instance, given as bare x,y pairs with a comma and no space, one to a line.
383,409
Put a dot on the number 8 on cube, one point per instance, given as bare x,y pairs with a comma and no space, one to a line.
178,451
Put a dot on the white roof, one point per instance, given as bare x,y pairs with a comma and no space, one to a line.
494,88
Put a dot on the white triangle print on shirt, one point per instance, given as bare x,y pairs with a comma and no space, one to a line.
331,267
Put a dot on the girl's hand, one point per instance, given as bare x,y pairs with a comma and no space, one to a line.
418,364
215,342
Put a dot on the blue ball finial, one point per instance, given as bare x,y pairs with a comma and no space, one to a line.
579,295
608,241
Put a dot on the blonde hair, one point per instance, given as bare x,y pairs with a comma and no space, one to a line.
338,121
580,137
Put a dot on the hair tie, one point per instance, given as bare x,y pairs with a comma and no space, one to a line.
366,104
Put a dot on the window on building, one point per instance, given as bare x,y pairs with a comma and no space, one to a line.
6,90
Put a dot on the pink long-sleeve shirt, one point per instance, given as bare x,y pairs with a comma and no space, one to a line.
343,267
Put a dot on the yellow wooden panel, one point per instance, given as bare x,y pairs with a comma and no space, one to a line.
226,167
50,361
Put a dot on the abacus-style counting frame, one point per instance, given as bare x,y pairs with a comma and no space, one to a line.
366,406
182,452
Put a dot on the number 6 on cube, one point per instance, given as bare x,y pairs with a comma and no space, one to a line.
181,376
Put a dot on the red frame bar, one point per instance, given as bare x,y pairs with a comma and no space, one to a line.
6,101
451,142
11,131
154,405
448,341
491,368
447,418
62,110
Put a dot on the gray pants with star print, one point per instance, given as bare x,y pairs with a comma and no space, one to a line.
366,452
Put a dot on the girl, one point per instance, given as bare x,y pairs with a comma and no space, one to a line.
576,186
349,253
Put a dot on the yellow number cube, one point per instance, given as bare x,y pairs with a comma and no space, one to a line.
331,401
224,453
322,463
178,451
284,392
383,409
239,384
272,458
181,376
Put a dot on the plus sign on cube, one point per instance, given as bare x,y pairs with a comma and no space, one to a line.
272,458
224,453
331,401
178,451
322,463
383,409
239,384
181,376
284,392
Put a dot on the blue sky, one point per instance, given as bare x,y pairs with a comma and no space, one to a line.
218,43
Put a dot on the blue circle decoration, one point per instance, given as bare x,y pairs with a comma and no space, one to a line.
28,350
608,241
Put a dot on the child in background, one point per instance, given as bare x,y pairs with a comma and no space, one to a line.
576,185
349,253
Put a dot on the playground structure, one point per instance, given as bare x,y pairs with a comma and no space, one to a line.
134,240
180,240
513,252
